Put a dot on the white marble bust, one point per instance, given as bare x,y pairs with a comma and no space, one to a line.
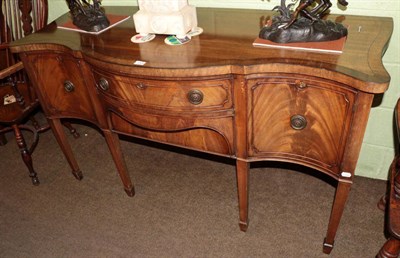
170,17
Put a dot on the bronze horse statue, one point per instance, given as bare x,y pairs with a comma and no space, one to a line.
288,27
86,16
314,14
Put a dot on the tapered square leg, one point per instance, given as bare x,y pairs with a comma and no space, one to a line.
341,195
62,140
116,152
242,174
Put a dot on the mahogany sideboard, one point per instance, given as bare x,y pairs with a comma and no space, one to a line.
216,94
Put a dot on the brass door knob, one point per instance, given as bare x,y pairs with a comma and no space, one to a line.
195,97
298,122
103,84
69,86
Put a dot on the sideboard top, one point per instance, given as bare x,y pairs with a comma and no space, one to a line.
226,47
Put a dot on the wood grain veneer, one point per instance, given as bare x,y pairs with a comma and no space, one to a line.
217,94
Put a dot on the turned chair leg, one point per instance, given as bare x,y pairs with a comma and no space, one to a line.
26,154
391,249
34,122
68,125
382,203
3,140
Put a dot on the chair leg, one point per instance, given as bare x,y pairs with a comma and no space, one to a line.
3,139
25,153
34,122
390,249
39,128
382,203
71,129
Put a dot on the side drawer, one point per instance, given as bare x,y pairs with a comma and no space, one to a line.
61,85
157,93
303,120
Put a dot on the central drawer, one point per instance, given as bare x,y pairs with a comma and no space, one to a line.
157,93
194,114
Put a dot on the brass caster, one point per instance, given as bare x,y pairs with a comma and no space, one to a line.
243,226
327,248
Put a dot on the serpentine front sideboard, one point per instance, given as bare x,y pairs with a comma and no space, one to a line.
216,94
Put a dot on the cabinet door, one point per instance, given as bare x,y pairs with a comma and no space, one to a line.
304,121
61,83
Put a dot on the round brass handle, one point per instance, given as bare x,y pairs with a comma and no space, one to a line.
69,86
103,84
298,122
195,97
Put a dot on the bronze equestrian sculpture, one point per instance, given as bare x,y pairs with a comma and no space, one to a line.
86,16
316,13
303,25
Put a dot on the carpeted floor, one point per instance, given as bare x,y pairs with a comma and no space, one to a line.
185,206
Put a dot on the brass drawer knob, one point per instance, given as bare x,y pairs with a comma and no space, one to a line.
141,86
302,85
69,86
103,84
298,122
195,97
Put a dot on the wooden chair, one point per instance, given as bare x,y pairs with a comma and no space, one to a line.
391,248
19,18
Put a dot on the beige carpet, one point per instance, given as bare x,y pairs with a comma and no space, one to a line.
185,206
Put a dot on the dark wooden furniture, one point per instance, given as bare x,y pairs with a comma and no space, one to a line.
20,18
18,100
391,249
217,94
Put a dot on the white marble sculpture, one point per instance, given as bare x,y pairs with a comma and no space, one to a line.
169,17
